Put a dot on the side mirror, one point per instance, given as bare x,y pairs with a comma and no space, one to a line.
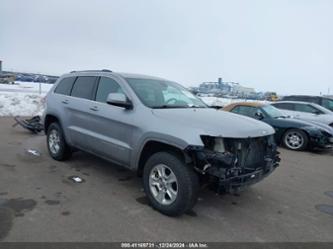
259,115
119,99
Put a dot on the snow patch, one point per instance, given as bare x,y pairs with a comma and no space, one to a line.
216,101
21,104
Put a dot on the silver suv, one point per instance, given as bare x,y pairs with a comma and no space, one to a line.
160,130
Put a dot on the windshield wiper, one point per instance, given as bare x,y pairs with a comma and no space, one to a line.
169,106
196,106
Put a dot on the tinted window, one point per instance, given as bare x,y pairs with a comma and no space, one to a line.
84,87
328,103
284,106
305,108
65,86
106,86
302,98
245,110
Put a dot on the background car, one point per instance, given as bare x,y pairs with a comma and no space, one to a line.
294,134
306,111
320,100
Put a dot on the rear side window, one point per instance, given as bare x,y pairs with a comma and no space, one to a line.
106,86
310,99
84,87
305,108
302,98
284,106
65,86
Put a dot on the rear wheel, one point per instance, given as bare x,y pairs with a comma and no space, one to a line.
171,185
295,139
56,143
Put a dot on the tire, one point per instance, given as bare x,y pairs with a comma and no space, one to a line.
295,139
184,190
59,150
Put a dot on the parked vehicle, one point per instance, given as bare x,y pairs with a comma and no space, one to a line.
271,96
7,78
294,134
320,100
160,130
306,111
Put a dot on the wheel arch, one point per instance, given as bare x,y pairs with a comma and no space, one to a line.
49,119
153,146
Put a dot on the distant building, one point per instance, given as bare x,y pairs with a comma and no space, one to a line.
214,87
5,77
225,88
242,90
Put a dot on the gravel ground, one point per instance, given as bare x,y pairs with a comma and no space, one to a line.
39,202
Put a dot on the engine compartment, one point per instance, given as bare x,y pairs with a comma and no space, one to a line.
230,164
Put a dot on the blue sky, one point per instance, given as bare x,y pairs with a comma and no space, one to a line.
284,46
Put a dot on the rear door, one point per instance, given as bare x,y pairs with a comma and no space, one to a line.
59,102
79,112
112,126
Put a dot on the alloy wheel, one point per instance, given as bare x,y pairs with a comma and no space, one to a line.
294,140
163,184
54,141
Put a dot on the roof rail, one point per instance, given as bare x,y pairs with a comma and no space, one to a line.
102,70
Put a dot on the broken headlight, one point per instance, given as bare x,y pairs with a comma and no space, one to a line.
215,144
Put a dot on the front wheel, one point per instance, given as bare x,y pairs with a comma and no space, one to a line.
295,139
171,185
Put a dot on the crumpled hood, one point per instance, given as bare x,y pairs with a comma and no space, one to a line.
214,122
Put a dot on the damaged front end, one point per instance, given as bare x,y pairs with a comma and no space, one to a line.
233,163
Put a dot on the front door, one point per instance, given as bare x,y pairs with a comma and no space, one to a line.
113,126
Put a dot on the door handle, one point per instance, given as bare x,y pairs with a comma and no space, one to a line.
65,101
94,108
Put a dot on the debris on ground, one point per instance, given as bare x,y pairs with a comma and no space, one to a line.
33,152
76,179
32,124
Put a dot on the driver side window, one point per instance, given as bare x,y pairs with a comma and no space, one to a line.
249,111
106,86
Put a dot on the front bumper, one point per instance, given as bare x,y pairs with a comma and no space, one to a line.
230,172
323,141
244,179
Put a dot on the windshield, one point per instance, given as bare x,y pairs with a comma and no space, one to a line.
272,111
163,94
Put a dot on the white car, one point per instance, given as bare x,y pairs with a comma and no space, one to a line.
306,111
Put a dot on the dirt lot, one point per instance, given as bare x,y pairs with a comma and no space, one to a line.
38,202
